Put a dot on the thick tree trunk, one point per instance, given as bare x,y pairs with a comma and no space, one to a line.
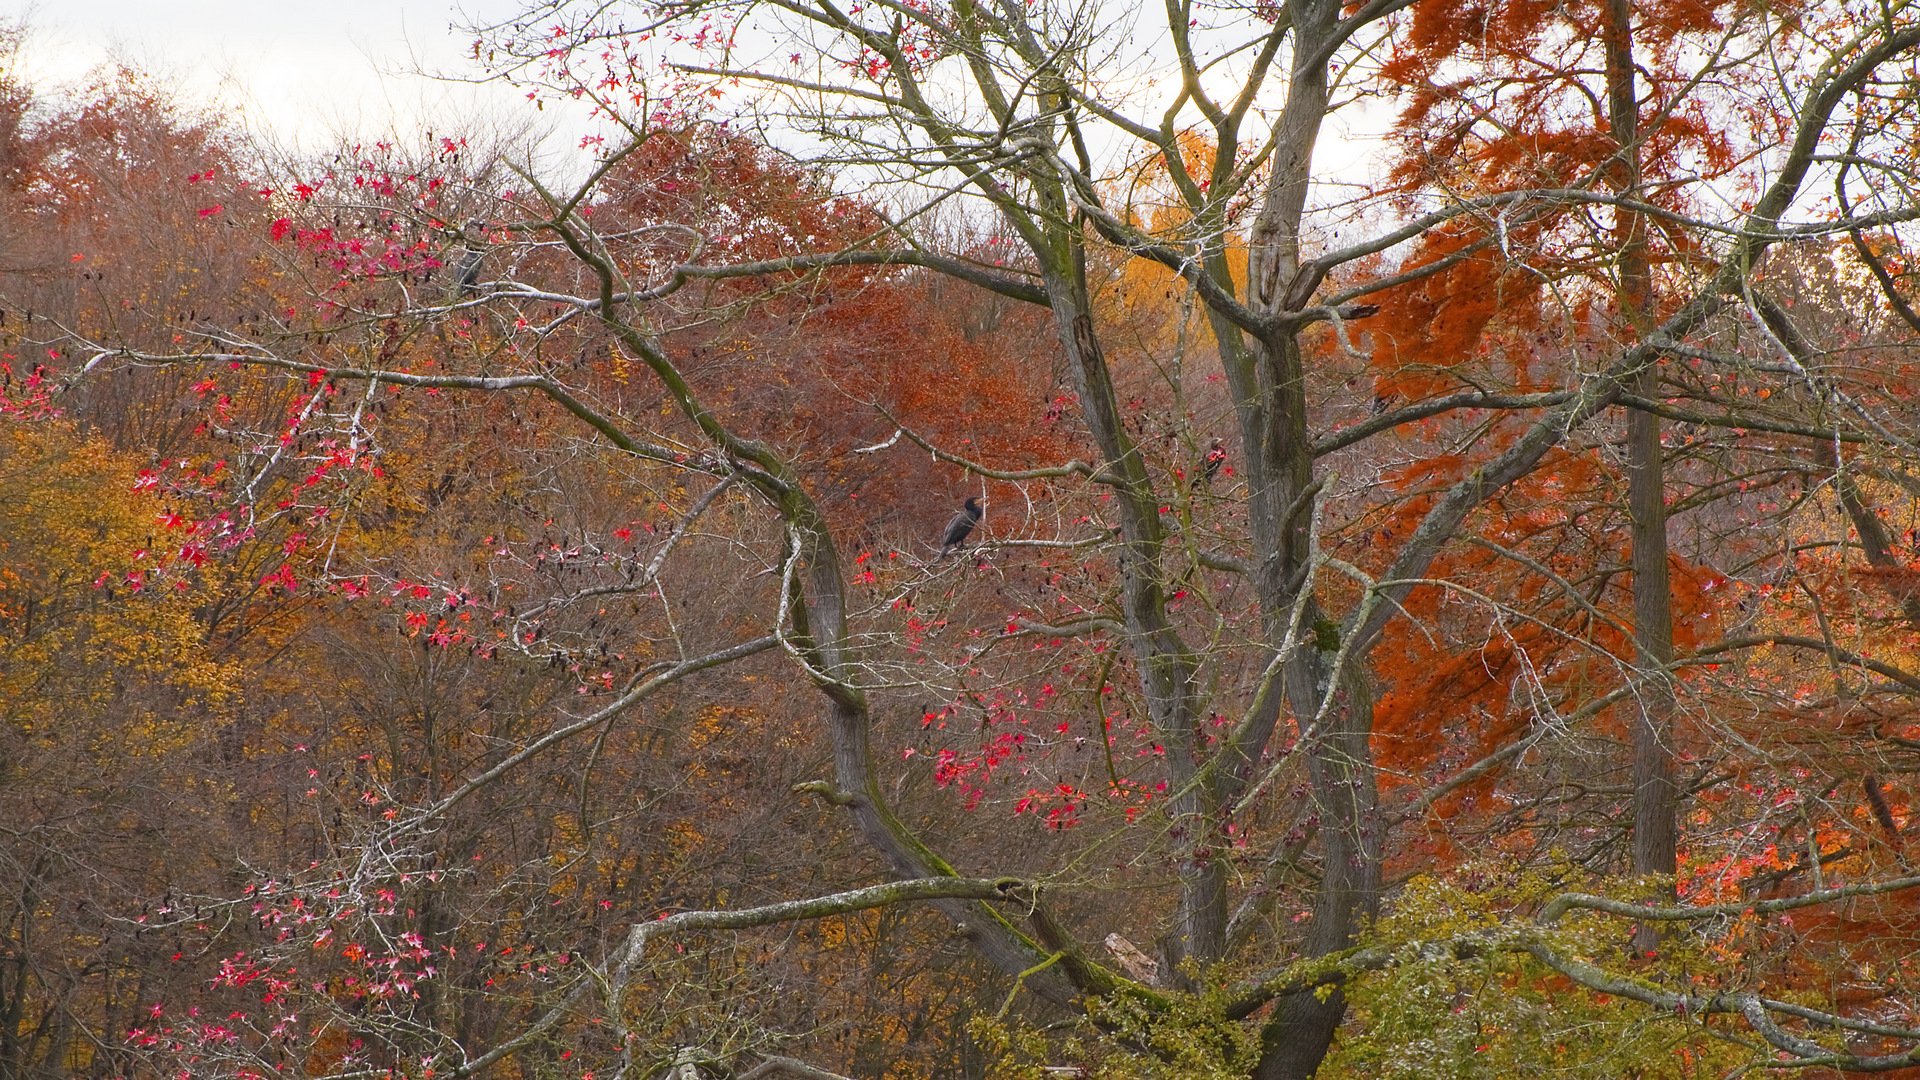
1274,424
1297,1037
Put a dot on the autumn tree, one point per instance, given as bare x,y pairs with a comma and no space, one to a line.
1246,706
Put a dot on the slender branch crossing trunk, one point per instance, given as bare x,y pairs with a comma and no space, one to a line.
1166,663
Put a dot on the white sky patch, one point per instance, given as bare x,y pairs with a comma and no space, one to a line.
306,76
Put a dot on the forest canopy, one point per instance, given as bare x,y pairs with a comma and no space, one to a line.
1010,539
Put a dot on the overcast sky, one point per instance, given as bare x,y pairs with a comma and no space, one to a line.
304,71
312,73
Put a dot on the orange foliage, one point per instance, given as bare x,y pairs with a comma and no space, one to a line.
1458,683
1430,327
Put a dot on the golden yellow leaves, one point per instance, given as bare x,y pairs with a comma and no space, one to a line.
108,666
1170,201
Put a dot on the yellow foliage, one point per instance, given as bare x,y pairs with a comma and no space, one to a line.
1147,293
86,659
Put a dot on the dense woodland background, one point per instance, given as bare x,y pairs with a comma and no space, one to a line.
1446,604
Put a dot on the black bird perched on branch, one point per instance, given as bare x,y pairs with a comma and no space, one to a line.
466,272
961,526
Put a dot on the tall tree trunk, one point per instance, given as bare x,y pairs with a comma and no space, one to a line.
1166,663
1655,797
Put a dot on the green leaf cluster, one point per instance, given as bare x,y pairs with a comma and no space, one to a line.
1444,1006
